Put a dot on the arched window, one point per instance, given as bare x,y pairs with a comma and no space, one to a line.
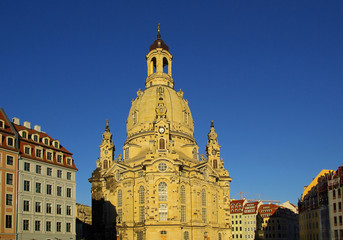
141,195
215,164
186,235
183,194
165,65
219,236
105,164
120,198
153,65
195,153
203,197
162,191
162,144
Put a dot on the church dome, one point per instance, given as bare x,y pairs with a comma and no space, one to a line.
143,114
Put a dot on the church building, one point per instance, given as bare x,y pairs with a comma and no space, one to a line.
159,189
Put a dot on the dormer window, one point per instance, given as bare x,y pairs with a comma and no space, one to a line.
56,144
69,161
59,158
10,141
27,150
46,141
2,124
24,134
35,137
39,153
49,155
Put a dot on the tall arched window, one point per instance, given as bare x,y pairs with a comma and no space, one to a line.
141,195
105,164
215,165
203,197
120,198
219,236
162,191
162,144
186,235
165,65
183,194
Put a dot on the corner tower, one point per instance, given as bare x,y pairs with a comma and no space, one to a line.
159,189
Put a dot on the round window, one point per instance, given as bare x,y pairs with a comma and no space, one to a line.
162,167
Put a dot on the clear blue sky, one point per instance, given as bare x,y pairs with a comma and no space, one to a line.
269,73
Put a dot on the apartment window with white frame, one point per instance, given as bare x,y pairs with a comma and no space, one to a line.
37,225
9,199
27,150
49,155
38,187
58,227
59,191
26,185
58,209
9,160
68,227
48,208
68,210
69,175
49,171
26,205
68,192
38,207
59,158
26,166
39,153
8,223
9,178
59,173
10,141
48,189
48,226
26,225
38,169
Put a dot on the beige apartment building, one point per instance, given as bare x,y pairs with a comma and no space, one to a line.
159,189
8,177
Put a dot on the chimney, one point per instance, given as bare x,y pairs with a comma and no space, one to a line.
37,128
16,120
27,124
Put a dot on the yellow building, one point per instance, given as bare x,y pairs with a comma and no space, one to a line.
160,189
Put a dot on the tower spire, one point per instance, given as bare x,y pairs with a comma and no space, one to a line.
158,31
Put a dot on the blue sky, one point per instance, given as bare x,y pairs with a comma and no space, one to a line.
269,73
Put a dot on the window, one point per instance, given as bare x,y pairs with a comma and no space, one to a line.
35,137
49,155
26,206
339,206
48,208
334,193
58,209
334,207
219,236
163,211
68,227
38,187
141,213
58,226
141,195
26,185
59,158
69,175
215,164
139,235
24,134
46,141
120,198
69,161
183,213
25,225
27,166
9,160
48,189
48,226
195,154
162,144
2,124
162,191
68,192
39,153
59,173
9,178
186,235
27,150
203,197
49,171
204,215
183,194
9,199
126,153
68,210
164,233
10,141
37,225
339,193
162,167
120,215
38,207
59,191
38,169
56,144
8,221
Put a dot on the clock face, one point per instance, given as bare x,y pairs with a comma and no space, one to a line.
161,129
214,152
106,152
